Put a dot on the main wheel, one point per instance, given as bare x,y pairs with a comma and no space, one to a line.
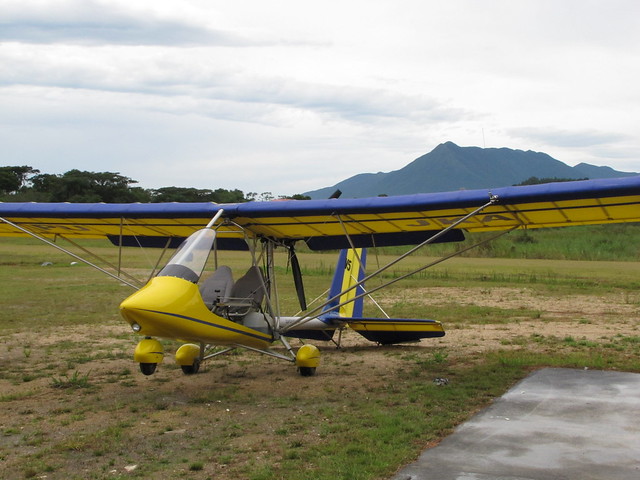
148,368
307,371
191,369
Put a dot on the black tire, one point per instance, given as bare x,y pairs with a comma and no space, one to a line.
307,371
191,369
148,368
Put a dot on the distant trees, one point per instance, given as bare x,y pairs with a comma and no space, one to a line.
297,196
181,194
27,184
83,187
12,179
268,196
538,181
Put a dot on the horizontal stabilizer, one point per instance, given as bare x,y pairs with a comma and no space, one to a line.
395,330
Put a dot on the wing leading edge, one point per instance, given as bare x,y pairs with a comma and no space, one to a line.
325,224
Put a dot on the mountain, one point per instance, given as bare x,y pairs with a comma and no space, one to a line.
450,167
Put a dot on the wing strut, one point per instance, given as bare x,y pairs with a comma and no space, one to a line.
160,257
406,275
315,312
70,253
97,257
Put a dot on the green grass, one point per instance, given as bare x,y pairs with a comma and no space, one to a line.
73,381
252,417
615,242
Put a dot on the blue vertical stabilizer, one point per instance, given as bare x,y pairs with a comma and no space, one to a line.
350,269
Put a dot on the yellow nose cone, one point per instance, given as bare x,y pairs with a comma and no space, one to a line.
159,305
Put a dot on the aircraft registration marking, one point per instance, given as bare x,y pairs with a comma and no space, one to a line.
49,226
421,222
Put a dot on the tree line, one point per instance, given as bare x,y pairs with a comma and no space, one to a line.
538,181
27,184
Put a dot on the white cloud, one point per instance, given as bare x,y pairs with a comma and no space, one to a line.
296,96
101,22
567,138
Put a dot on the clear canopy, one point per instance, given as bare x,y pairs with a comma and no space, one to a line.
191,257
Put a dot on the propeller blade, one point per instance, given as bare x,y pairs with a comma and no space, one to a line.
297,278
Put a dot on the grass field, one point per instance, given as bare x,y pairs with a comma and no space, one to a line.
617,242
74,404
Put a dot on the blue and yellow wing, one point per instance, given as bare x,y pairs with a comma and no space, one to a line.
325,224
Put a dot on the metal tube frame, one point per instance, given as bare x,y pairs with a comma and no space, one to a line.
314,313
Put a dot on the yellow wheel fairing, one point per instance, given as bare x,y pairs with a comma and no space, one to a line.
148,350
187,354
171,307
308,356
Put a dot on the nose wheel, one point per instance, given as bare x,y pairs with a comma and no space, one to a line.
148,353
148,368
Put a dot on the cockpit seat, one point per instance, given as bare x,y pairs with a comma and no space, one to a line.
217,288
247,294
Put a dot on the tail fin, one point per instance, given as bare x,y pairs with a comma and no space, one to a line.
349,271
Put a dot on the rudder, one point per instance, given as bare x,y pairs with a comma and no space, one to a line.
350,269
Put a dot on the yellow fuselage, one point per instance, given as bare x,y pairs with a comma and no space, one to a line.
171,307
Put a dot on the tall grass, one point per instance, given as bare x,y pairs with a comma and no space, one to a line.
615,242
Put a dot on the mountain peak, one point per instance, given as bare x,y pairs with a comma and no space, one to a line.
451,167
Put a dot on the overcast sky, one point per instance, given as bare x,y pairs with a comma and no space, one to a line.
288,96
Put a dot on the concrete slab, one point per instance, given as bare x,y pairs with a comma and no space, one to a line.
558,424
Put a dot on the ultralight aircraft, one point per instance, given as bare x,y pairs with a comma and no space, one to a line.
203,311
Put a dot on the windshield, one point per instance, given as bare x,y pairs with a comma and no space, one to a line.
191,257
